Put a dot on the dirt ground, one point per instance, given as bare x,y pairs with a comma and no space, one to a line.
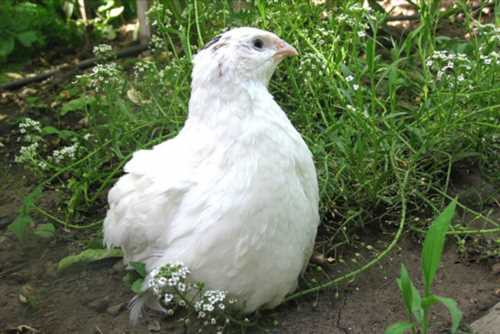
93,299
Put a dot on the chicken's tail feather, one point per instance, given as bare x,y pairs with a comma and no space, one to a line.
137,304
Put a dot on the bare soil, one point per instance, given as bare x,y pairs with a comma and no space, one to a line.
35,298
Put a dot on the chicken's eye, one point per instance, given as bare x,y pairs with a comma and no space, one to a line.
258,43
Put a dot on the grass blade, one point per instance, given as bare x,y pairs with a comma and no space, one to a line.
410,295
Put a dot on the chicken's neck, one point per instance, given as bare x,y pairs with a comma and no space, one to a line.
221,102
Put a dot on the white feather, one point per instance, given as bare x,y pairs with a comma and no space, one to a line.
234,196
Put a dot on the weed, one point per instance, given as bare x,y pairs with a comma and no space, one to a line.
417,306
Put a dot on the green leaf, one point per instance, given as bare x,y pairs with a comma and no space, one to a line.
456,314
20,226
88,256
23,221
399,328
411,296
117,11
6,46
139,267
63,134
137,285
27,38
45,230
434,244
77,104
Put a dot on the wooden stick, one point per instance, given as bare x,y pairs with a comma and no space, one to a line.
127,52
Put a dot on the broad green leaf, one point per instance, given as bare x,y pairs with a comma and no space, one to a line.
77,104
49,130
6,46
88,256
456,314
434,243
410,294
399,328
139,267
45,230
137,285
27,38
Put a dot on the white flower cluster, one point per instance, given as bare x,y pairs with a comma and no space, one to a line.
210,301
159,15
455,68
170,284
103,51
492,58
142,67
29,124
311,64
65,153
352,15
450,66
102,75
350,79
157,43
28,153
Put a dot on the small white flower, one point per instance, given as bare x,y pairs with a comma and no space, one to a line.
460,78
213,321
349,78
162,281
168,298
355,87
361,34
429,63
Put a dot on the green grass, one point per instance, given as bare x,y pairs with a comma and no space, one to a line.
386,127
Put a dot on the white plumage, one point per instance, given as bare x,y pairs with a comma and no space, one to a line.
234,195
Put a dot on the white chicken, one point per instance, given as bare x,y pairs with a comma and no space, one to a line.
234,195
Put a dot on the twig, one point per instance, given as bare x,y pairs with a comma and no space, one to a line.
127,52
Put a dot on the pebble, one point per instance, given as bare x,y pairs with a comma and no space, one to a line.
489,323
118,267
99,305
154,326
20,277
114,310
495,269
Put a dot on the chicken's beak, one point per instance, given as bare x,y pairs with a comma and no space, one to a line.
283,50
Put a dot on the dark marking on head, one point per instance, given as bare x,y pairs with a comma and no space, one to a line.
212,42
215,39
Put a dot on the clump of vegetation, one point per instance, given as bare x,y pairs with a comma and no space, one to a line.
387,118
370,107
418,307
27,26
